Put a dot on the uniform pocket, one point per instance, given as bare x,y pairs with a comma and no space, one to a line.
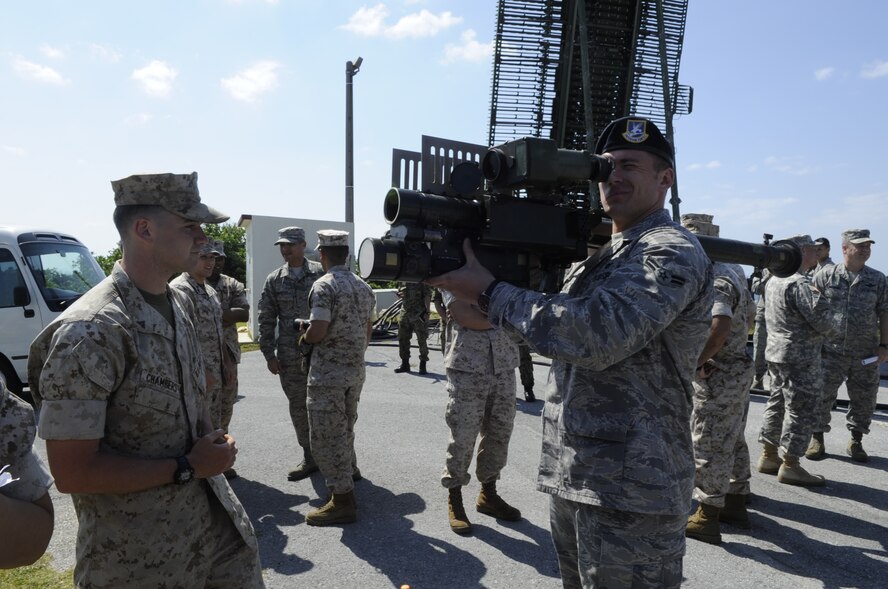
599,444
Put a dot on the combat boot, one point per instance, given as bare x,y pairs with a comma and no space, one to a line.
758,384
422,367
305,468
340,509
816,448
459,521
703,524
769,462
404,367
490,503
855,448
792,473
734,512
529,396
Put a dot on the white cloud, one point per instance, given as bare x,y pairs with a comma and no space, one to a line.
877,69
52,52
247,85
139,119
370,22
708,165
156,78
824,73
788,165
468,50
13,150
37,72
103,53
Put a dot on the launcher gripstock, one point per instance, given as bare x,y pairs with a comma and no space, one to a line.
551,226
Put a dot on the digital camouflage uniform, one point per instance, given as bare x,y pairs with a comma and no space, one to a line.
413,318
795,314
721,401
18,429
855,306
337,372
760,334
480,367
112,368
232,294
207,321
624,336
284,299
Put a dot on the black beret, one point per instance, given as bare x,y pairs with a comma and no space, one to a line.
635,133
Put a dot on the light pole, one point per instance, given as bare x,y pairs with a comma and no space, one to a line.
351,68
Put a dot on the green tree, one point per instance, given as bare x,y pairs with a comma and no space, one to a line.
235,241
107,262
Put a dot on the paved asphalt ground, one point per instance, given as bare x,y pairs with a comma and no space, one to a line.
832,537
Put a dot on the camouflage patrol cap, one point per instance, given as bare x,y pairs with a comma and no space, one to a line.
177,193
821,241
856,236
290,235
699,224
219,247
208,249
635,133
332,238
801,240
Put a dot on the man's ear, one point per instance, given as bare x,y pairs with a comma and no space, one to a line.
143,228
668,178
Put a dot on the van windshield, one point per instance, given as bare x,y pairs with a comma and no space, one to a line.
63,271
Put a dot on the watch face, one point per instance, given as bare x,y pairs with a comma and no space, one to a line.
186,475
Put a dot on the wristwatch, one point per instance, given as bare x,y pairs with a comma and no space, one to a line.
484,297
184,471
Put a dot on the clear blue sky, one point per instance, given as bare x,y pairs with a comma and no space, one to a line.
787,134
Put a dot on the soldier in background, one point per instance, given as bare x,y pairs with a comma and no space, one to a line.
480,364
235,309
26,510
413,318
858,300
441,310
721,401
823,259
795,313
285,298
119,379
342,307
525,370
760,333
207,319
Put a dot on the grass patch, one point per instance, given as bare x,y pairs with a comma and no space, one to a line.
39,575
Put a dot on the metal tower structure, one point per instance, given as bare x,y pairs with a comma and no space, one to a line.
563,69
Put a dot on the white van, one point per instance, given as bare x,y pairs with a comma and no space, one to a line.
41,274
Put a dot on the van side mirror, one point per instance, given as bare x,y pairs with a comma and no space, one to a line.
20,296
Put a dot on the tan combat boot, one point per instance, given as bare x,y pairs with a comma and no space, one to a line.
703,524
459,521
340,509
734,512
305,468
490,503
816,449
855,448
793,473
769,462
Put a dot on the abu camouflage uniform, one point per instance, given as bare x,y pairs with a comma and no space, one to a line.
480,367
232,294
112,369
413,318
207,321
795,313
624,336
336,375
721,400
284,299
856,305
31,478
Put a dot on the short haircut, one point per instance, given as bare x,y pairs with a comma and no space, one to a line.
337,254
124,216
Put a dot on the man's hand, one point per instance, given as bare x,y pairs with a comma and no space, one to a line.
213,454
466,283
274,366
883,355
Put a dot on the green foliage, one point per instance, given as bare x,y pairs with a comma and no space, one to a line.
377,284
235,241
107,262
